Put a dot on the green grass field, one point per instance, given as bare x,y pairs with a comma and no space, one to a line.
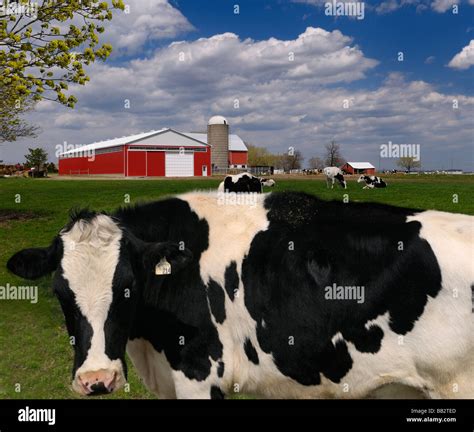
35,357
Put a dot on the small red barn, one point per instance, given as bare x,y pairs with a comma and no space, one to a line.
358,168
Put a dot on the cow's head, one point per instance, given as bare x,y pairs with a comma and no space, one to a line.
100,270
361,179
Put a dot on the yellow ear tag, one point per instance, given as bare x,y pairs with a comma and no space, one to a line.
163,267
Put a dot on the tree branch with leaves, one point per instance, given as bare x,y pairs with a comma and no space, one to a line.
42,53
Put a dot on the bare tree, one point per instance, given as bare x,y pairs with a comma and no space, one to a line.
408,163
290,161
316,163
333,154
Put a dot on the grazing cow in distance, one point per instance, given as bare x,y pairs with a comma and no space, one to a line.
244,182
372,182
204,295
333,174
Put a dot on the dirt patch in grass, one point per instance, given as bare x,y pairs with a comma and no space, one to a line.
7,216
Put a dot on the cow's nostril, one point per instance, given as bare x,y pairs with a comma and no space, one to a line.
98,389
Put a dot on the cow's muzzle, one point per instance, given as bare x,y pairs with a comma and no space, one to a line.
98,382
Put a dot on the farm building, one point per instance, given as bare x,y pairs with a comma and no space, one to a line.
358,168
164,152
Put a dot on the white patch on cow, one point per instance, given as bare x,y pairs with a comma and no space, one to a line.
91,254
229,224
193,389
439,352
336,338
447,325
153,368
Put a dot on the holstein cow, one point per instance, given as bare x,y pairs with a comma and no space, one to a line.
333,174
244,182
290,296
372,182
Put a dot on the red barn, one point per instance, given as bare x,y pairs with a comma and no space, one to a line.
156,153
165,152
358,168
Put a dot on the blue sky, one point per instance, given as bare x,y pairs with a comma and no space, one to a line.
244,58
418,34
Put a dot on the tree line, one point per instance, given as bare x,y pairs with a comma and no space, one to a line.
293,159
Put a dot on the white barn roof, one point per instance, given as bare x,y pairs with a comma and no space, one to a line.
235,142
361,165
130,139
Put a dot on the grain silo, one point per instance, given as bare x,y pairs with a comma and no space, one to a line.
218,138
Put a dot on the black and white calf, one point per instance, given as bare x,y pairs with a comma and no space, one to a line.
261,298
372,182
333,174
244,182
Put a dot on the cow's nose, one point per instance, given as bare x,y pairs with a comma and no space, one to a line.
97,382
98,389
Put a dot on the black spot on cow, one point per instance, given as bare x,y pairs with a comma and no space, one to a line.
220,369
244,183
177,302
350,244
365,339
216,393
231,280
251,352
216,300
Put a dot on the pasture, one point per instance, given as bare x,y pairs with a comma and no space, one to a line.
35,356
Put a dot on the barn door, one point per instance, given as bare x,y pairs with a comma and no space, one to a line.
136,164
179,164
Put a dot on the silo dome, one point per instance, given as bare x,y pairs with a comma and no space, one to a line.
218,120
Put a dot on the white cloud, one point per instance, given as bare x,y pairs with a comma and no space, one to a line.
463,59
282,103
146,21
443,5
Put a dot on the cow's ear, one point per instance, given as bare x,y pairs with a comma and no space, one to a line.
166,258
37,262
